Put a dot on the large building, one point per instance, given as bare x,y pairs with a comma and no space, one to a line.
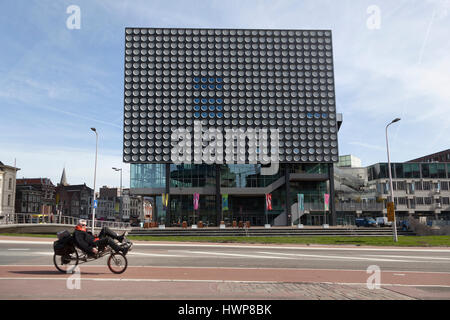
7,190
442,156
233,116
35,195
421,189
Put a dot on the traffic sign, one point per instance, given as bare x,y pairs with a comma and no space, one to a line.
390,212
95,204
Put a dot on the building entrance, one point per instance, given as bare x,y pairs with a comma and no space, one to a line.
245,208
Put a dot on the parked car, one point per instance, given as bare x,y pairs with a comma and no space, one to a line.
383,222
365,222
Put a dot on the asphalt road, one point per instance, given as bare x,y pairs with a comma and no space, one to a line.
230,271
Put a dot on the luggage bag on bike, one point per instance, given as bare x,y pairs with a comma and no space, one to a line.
64,244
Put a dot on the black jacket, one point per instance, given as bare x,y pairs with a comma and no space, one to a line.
84,240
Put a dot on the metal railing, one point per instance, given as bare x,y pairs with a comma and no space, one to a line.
28,218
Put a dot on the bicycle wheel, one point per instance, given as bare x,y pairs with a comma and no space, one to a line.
117,262
67,262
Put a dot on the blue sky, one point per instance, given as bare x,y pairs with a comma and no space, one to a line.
56,83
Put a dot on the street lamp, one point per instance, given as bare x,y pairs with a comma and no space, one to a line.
119,169
394,223
121,204
95,175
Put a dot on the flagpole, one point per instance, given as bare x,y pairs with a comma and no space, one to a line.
265,209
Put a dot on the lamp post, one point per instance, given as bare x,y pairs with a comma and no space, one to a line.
394,223
95,175
119,169
120,190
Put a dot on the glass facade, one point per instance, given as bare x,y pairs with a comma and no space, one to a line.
147,176
245,176
409,171
182,209
242,207
192,175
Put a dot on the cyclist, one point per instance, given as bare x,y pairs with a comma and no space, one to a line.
90,244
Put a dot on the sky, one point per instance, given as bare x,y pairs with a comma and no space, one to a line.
391,59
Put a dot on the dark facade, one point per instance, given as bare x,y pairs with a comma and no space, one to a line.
35,196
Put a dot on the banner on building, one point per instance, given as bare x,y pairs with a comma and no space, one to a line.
196,200
301,202
269,201
327,201
225,202
165,200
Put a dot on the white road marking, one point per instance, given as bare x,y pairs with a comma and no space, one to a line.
158,255
226,281
239,255
328,257
412,257
244,246
18,249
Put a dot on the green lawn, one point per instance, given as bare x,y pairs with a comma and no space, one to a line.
403,241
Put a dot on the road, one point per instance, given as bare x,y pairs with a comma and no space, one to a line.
167,270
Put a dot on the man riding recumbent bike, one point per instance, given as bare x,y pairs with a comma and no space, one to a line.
82,246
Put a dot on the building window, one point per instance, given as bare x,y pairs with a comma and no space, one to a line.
418,185
9,200
426,185
401,185
10,184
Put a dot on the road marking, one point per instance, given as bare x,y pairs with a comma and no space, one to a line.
18,249
228,281
239,255
289,248
158,255
399,274
413,257
328,257
243,246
